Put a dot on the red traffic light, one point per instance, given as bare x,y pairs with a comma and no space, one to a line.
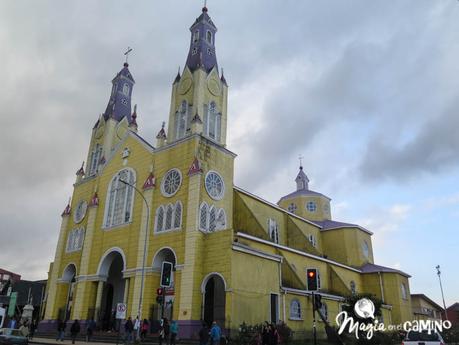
159,291
311,274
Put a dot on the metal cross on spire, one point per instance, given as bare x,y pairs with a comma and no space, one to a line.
300,157
129,49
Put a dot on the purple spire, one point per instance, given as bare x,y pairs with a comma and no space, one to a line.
302,181
119,104
202,45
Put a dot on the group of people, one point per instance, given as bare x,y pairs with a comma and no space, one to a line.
26,327
269,335
167,331
75,329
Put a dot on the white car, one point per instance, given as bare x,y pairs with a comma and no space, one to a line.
423,338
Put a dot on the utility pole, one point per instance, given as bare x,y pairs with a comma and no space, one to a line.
441,288
314,331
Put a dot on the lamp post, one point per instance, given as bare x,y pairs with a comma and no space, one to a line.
139,311
441,288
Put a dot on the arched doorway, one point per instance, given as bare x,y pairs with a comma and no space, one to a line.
213,289
68,276
165,254
111,267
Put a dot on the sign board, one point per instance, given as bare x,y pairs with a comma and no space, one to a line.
121,311
12,306
8,293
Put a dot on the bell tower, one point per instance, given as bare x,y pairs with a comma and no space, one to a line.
200,93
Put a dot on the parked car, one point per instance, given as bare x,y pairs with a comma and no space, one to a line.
9,336
423,338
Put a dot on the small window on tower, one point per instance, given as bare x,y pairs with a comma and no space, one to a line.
196,36
209,37
126,89
194,51
209,51
124,101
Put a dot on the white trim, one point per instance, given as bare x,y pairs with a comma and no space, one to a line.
299,307
64,271
277,309
107,253
223,184
248,250
276,206
350,226
256,239
309,293
208,276
163,248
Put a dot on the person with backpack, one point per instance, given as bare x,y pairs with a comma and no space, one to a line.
215,334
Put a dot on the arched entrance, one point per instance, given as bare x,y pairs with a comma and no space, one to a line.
213,289
68,276
111,266
165,254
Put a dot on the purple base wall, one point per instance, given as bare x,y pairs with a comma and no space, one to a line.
189,329
47,326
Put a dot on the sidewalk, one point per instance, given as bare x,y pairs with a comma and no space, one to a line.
49,341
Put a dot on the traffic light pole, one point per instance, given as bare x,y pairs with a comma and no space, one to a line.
314,332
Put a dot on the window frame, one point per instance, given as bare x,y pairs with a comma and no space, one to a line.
299,315
163,180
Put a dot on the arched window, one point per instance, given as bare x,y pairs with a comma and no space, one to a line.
221,220
196,36
404,291
159,219
209,37
273,230
212,218
313,240
95,159
352,285
80,238
295,310
212,122
168,222
126,89
203,217
120,198
75,240
177,215
181,117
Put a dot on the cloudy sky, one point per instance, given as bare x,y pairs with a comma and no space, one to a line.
366,91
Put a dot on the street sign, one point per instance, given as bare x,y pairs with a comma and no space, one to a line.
8,293
12,306
121,311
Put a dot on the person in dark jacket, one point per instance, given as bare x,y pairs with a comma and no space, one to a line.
128,328
60,330
74,330
204,334
90,328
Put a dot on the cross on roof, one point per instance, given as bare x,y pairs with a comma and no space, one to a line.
129,49
300,157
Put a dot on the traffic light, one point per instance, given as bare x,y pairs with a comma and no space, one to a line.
166,274
311,279
160,296
318,301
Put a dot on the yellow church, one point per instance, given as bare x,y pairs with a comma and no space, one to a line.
235,257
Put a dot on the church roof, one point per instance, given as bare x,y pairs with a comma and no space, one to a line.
372,268
332,224
303,192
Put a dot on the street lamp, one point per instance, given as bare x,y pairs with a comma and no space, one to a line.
441,288
139,311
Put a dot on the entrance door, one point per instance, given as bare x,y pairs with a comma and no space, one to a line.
214,301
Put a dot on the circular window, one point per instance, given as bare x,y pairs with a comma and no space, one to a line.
171,182
214,185
311,206
80,211
292,208
365,249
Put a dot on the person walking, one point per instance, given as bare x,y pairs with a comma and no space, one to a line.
167,330
24,329
128,328
61,325
265,334
204,334
136,328
215,334
32,328
174,331
74,330
90,328
273,335
144,329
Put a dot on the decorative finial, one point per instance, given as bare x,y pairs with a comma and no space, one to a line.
129,49
204,9
300,157
163,124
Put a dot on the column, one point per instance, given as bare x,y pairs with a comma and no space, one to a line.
100,290
126,290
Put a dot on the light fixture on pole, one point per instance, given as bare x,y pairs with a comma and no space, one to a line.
139,311
441,288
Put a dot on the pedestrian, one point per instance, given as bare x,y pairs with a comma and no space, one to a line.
174,331
161,332
61,325
24,329
167,330
90,328
265,334
144,329
128,328
204,334
273,334
74,330
12,323
32,328
136,328
215,334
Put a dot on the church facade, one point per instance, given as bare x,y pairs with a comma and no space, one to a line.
236,257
